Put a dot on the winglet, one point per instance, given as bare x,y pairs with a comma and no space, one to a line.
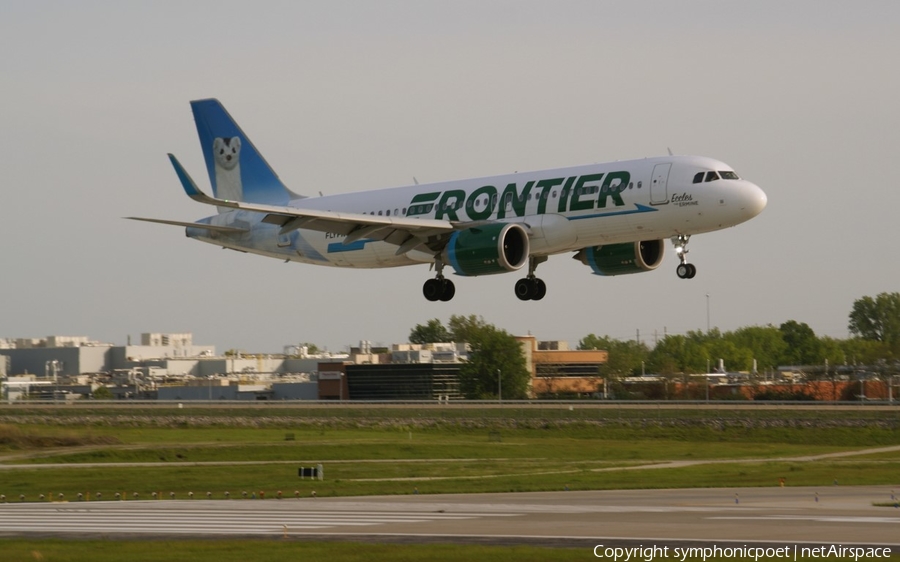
191,188
186,181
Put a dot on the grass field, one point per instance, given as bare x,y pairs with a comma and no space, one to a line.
396,450
15,550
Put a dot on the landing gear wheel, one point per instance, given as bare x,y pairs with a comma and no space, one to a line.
433,289
686,271
524,289
530,289
540,290
448,289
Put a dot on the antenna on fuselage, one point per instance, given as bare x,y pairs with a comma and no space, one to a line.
670,151
415,181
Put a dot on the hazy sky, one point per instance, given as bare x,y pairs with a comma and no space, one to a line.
802,98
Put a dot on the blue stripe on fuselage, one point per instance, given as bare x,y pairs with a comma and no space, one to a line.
336,247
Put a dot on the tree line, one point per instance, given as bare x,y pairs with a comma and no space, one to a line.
874,323
497,365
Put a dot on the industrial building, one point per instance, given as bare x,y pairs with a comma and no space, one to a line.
558,372
168,366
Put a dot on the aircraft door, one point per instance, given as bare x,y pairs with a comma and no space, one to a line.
659,193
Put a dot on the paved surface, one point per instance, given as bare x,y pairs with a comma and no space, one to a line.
771,516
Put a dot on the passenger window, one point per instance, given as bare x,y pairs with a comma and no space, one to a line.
379,213
698,177
640,183
404,210
387,213
711,176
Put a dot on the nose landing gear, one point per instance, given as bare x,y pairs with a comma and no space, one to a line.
684,270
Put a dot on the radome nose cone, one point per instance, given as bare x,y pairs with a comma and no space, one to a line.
760,200
754,199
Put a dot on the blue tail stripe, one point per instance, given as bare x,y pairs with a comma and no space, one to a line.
256,181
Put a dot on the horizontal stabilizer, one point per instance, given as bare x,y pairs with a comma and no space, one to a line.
210,227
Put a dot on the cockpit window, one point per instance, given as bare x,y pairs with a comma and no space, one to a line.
698,177
711,176
729,176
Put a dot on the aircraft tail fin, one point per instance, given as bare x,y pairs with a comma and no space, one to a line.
237,171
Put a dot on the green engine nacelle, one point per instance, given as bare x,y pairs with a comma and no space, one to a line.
620,259
485,250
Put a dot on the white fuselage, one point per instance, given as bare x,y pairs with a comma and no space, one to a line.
562,210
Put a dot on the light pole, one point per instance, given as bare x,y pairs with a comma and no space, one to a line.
707,313
499,388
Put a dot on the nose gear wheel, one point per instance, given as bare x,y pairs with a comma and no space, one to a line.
684,270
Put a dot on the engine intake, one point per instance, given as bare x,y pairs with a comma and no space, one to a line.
486,250
622,259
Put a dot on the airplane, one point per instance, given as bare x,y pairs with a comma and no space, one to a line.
612,217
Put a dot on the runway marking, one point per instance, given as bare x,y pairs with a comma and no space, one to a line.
187,519
818,518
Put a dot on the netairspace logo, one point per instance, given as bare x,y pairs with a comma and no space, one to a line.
787,552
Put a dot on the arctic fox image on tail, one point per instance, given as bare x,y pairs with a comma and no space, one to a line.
227,152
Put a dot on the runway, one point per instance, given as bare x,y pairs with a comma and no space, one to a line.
760,516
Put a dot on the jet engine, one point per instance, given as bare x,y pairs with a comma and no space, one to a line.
620,259
488,249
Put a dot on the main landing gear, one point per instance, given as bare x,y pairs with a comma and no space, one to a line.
684,270
530,288
439,289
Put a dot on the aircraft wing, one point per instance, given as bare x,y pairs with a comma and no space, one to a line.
406,233
211,227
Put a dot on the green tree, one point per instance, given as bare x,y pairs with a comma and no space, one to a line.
432,332
494,355
803,347
102,393
676,354
736,358
765,343
465,328
858,351
877,319
625,357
